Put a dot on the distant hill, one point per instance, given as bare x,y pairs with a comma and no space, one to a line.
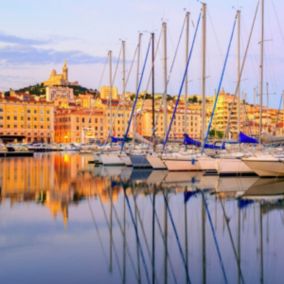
39,90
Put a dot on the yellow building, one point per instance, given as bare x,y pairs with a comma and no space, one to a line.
58,79
34,120
107,92
189,123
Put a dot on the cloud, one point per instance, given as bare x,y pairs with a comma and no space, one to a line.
7,38
22,54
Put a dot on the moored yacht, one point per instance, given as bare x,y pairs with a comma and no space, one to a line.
156,162
111,159
266,165
178,162
233,165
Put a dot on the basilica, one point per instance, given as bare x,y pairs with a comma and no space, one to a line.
58,79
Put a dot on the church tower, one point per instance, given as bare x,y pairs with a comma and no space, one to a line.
65,73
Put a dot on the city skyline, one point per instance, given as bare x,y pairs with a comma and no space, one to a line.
35,39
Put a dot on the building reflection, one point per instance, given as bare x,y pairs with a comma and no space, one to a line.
210,223
52,180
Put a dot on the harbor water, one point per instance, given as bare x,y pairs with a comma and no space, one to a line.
64,220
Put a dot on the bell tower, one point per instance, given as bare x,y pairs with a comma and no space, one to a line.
65,72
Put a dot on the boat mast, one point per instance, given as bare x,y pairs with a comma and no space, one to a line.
110,90
204,15
185,123
123,70
261,66
153,87
239,72
165,107
137,81
267,93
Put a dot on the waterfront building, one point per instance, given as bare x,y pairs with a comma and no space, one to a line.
31,120
79,125
193,120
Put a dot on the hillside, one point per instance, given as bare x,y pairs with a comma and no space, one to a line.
39,89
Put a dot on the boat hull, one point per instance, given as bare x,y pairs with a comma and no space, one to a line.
266,168
208,164
156,162
182,165
111,160
140,162
233,167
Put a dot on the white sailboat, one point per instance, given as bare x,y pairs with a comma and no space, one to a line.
266,165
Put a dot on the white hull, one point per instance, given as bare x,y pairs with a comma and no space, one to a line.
126,159
182,165
111,160
207,164
232,166
265,167
156,162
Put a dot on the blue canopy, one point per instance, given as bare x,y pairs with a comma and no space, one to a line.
189,141
188,194
243,138
119,139
242,203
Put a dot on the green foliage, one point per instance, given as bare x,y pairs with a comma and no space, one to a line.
40,89
216,134
37,90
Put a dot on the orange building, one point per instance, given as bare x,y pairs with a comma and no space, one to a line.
79,125
34,120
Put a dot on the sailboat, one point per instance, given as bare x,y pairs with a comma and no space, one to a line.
264,165
180,161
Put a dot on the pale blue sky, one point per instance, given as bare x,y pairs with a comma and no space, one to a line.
36,36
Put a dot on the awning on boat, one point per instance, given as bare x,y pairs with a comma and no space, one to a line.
243,138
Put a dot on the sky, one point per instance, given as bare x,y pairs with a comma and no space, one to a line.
37,36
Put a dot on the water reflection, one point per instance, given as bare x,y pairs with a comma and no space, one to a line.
151,226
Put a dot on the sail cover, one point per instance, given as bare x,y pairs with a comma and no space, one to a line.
119,139
189,141
243,138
